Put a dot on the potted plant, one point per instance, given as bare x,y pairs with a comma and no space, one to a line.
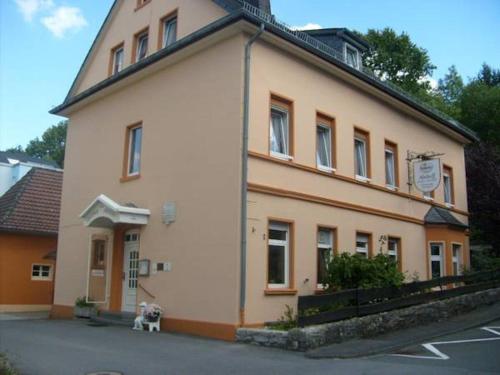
83,308
152,313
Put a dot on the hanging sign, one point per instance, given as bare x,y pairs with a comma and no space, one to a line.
427,175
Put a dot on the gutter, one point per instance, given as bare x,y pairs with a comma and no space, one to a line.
244,170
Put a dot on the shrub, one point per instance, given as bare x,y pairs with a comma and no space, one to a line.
287,321
348,271
82,302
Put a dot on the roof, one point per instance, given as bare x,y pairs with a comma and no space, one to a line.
32,205
441,216
24,158
251,14
341,32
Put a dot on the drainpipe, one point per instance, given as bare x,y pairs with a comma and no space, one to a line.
244,171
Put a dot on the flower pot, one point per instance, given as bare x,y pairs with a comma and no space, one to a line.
83,312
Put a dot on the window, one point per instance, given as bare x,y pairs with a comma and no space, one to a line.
351,56
278,274
280,129
133,150
429,196
325,253
456,258
325,144
141,46
394,249
361,155
363,244
391,165
448,185
117,55
169,27
99,254
436,250
41,272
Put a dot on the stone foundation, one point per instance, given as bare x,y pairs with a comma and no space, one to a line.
302,339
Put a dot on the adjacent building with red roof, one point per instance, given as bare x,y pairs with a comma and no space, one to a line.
29,223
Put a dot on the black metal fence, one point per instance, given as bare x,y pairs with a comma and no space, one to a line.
325,308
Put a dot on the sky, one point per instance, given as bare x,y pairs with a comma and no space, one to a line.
43,43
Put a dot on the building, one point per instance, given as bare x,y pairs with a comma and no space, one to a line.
29,221
14,165
215,157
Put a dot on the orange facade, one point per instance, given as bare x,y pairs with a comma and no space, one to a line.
18,254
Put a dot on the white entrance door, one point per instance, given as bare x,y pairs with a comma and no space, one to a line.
130,271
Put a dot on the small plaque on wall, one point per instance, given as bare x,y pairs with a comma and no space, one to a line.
144,267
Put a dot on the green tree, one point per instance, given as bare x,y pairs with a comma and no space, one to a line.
397,59
18,148
51,146
489,76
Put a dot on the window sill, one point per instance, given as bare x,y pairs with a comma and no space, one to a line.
392,187
326,169
281,156
142,5
280,292
130,178
430,199
449,205
366,180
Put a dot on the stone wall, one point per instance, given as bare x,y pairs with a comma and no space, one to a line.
302,339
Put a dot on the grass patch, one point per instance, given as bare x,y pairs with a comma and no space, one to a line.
5,367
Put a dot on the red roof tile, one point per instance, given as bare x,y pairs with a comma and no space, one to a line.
33,203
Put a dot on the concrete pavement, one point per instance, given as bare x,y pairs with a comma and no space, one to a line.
38,347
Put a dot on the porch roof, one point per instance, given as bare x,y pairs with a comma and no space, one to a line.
104,212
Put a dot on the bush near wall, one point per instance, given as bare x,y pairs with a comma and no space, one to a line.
350,271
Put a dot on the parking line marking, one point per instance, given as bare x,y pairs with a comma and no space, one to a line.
440,355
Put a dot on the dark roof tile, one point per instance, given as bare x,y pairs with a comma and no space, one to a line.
441,216
33,203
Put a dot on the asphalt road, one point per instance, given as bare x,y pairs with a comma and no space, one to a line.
44,347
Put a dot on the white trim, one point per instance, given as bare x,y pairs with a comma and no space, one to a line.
323,246
40,277
103,212
435,258
322,168
363,178
285,227
358,55
362,250
281,156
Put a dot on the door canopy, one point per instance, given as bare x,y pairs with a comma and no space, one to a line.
103,212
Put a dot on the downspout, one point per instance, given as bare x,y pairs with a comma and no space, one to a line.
244,172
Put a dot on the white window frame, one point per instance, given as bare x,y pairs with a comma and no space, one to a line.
319,246
393,167
347,47
365,151
280,226
456,259
286,113
394,253
166,23
362,250
39,277
131,154
329,167
140,38
447,185
437,258
115,57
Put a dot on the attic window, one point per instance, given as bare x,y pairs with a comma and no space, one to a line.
141,45
351,56
169,27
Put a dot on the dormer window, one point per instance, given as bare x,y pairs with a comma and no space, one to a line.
351,56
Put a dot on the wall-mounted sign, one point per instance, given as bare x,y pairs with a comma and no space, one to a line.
427,175
144,267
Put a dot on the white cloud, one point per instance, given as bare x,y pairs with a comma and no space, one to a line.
309,26
29,8
64,19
